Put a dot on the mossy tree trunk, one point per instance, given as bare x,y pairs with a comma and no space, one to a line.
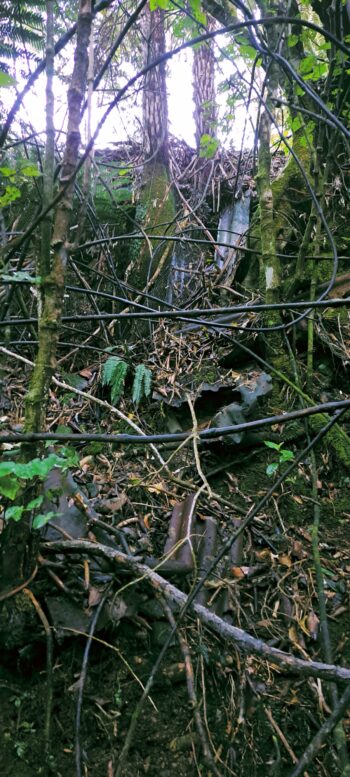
150,260
17,549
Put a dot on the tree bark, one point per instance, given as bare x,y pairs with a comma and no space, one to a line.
16,546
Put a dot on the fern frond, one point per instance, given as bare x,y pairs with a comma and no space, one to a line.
108,370
113,375
142,383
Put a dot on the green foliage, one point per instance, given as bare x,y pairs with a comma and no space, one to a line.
142,383
116,189
208,146
15,474
163,4
114,373
12,177
21,26
6,80
311,68
284,456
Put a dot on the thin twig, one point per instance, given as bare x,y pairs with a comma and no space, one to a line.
195,446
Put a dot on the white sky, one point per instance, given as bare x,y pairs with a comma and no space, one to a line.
126,119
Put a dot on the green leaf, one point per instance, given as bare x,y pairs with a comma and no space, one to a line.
123,194
62,429
15,513
198,14
208,146
247,52
154,4
271,469
292,40
42,519
30,170
6,80
9,487
68,458
12,193
34,503
274,445
36,467
8,172
296,124
286,455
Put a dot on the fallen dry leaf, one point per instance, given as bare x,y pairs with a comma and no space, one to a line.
285,560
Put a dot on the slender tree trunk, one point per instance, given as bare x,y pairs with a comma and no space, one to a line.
149,266
17,551
155,101
204,93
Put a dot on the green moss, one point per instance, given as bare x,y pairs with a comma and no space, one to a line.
156,213
336,437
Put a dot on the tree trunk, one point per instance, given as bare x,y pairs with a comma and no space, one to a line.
17,548
204,93
156,206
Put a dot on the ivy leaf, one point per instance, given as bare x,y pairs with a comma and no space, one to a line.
9,487
42,519
15,513
35,503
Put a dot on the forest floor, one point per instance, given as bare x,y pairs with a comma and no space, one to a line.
256,718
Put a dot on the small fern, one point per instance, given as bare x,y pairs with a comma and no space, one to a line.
142,383
113,375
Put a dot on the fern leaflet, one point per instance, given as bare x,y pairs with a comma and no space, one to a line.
113,375
142,383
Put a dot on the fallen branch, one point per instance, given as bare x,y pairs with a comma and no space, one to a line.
242,639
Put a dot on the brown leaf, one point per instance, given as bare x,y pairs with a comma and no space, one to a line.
156,488
312,623
238,572
298,550
296,637
94,596
285,560
113,505
298,499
